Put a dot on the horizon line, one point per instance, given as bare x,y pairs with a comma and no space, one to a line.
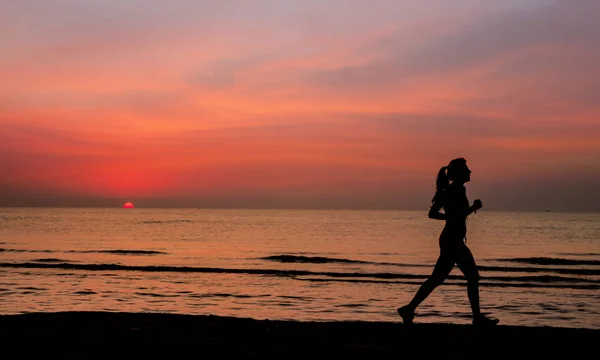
288,208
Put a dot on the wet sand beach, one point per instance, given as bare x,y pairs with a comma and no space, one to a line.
96,335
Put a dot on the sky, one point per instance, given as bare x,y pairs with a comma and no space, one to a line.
299,103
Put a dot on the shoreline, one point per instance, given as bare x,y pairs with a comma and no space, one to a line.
91,335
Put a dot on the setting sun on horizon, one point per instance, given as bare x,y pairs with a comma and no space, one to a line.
128,205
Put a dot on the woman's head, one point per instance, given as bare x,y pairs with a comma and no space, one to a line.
456,171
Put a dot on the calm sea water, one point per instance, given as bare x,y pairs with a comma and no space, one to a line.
537,268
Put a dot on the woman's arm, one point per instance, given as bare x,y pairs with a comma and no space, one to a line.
434,212
476,206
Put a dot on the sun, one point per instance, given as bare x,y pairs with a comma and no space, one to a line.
128,205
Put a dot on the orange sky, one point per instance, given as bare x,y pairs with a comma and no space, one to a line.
286,103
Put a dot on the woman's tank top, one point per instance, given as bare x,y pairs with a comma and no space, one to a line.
456,208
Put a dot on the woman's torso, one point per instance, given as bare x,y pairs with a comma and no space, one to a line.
456,207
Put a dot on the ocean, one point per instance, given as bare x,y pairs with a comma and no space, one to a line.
538,269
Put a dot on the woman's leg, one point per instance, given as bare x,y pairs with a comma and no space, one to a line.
466,263
442,269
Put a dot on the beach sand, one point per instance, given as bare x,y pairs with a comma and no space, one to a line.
111,335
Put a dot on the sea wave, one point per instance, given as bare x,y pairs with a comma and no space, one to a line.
85,292
125,252
52,260
312,259
288,273
551,261
227,295
166,221
27,251
327,260
116,251
594,254
483,283
570,271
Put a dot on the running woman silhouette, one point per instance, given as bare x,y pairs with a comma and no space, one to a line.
451,196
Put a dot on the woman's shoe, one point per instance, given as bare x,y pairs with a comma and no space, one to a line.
406,314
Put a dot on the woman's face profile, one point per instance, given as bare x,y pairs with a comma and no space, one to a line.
467,173
462,174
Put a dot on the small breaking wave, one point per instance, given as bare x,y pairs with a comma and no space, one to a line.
312,259
570,271
124,252
27,251
166,221
551,261
544,279
52,260
85,292
31,288
116,252
484,284
594,254
328,260
155,294
226,295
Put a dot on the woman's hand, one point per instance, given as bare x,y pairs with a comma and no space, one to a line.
477,205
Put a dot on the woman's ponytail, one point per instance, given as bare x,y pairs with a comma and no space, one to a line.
441,183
